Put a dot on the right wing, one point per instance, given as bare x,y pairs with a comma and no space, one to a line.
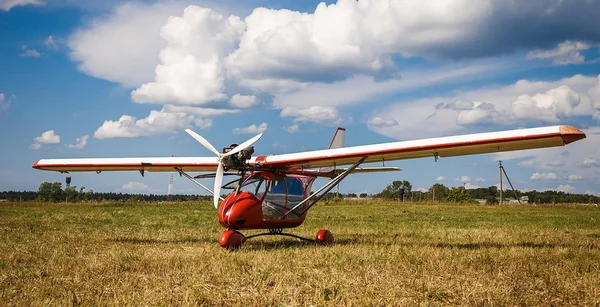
160,164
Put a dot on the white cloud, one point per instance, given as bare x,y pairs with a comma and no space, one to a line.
133,186
252,129
440,178
566,188
470,186
315,114
480,179
50,43
205,112
123,46
292,129
157,122
80,142
47,138
575,177
464,179
6,5
29,53
520,104
565,53
190,70
243,101
543,176
590,192
590,162
4,104
380,122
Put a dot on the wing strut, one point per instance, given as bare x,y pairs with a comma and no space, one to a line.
181,172
327,187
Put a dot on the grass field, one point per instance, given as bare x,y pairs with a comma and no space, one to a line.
386,254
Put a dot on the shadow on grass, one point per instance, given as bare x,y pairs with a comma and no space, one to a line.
145,241
290,243
474,246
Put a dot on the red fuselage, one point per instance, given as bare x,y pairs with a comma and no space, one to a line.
264,201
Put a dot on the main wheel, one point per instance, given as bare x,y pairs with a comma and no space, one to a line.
231,239
324,237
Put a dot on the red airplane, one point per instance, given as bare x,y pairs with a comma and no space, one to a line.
274,192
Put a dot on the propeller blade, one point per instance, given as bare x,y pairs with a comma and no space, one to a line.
244,145
203,141
218,183
212,175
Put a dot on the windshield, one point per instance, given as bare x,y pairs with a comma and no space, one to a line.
256,184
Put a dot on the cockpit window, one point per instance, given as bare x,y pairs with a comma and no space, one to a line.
256,185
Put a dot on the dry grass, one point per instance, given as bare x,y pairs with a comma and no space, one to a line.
386,254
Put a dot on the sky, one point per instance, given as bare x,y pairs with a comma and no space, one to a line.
84,79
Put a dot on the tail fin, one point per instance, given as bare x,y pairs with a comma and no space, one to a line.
338,138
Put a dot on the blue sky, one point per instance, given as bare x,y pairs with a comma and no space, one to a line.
124,79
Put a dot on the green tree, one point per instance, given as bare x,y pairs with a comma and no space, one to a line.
392,189
57,193
363,195
45,191
71,194
459,195
439,190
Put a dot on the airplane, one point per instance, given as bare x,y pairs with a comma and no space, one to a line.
274,192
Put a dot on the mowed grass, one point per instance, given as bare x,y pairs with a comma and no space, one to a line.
386,254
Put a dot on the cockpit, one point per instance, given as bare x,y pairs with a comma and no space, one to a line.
278,194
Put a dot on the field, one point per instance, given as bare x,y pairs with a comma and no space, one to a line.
386,254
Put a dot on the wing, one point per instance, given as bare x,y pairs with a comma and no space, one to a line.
435,147
166,164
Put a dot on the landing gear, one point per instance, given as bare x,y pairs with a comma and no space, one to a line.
233,239
324,237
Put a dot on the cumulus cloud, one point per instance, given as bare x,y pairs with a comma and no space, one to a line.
6,5
205,112
470,186
123,46
566,188
463,179
440,178
380,122
479,179
50,43
543,176
292,129
590,162
575,177
157,122
315,114
565,53
252,129
29,53
4,103
134,186
80,142
243,101
190,70
548,107
47,138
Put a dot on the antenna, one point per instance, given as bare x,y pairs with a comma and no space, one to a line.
503,171
170,189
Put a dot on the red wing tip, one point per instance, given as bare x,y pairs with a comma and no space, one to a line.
35,165
571,134
340,128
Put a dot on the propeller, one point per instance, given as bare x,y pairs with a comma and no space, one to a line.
220,169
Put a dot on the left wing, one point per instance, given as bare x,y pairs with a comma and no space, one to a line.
470,144
161,164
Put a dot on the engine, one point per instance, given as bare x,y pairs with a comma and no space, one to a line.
238,160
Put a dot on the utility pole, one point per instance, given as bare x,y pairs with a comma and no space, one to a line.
502,170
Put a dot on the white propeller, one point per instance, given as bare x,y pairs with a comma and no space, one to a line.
220,168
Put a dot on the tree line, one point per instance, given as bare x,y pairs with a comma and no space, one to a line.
398,190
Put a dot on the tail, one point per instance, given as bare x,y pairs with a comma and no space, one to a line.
338,138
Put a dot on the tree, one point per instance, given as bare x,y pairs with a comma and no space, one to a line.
392,190
439,190
363,195
44,191
71,194
459,195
